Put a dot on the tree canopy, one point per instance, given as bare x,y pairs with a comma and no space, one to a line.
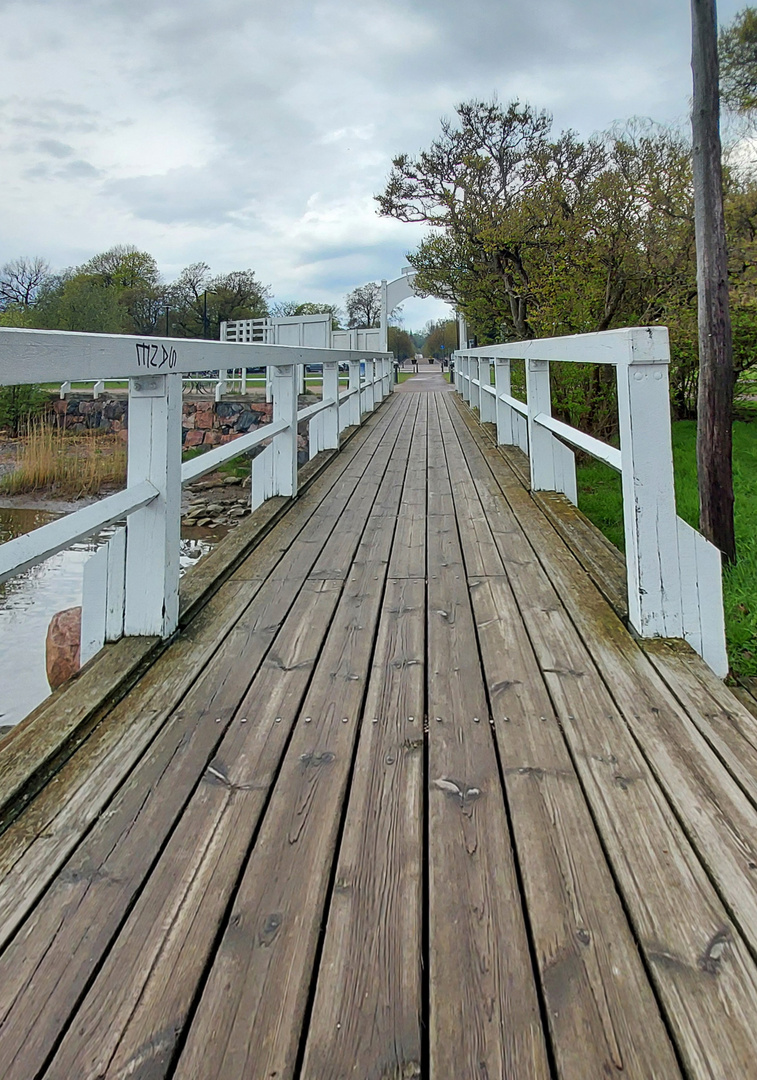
121,290
536,233
737,50
363,306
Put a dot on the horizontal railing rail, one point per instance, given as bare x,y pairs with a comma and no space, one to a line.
673,572
131,583
32,548
41,356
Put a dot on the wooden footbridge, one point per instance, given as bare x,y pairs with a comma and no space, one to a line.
402,797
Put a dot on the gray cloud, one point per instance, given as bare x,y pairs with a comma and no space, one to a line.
199,196
55,148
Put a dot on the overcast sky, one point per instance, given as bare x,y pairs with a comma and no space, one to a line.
254,133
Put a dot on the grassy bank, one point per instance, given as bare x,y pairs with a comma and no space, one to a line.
600,499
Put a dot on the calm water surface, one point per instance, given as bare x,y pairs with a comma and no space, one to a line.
29,601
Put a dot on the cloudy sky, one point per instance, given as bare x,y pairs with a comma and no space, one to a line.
254,133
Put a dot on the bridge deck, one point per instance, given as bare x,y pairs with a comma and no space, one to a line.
403,800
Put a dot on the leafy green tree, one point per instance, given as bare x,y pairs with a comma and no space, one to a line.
19,405
81,302
400,343
540,235
201,302
134,277
441,339
737,50
363,306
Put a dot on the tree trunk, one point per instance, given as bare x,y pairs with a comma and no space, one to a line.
715,400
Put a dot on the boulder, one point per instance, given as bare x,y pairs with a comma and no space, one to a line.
247,420
63,646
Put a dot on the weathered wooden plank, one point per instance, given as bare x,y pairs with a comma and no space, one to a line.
729,727
367,1013
705,976
718,818
269,556
248,1012
100,882
603,563
483,1012
601,559
136,1009
601,1009
366,1016
409,550
37,844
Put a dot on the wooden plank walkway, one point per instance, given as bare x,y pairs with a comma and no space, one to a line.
403,799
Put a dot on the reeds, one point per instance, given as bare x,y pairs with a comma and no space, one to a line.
66,464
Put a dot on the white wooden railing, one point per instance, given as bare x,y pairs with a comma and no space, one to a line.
673,572
131,584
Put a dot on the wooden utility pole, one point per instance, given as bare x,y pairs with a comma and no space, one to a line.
715,402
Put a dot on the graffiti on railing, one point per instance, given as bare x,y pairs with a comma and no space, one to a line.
147,355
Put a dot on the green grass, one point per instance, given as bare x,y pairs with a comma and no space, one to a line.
599,497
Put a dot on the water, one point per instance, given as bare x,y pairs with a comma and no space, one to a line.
29,601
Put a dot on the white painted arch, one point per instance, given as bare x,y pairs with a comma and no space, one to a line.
394,292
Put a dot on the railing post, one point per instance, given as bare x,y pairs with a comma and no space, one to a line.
504,414
488,407
330,417
284,446
355,410
465,378
539,400
475,391
153,533
649,510
387,363
370,385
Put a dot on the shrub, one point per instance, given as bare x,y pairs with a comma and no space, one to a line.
19,405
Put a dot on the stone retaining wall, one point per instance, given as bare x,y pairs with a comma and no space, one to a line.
204,423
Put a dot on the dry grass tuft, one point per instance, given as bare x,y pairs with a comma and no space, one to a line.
65,464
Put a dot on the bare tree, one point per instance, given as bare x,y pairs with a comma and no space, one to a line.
715,400
363,306
21,280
